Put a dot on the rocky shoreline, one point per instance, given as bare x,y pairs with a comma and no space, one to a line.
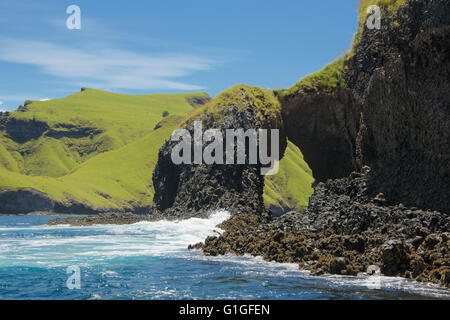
104,218
343,232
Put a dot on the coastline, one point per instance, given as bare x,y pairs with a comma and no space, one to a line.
359,233
344,231
138,256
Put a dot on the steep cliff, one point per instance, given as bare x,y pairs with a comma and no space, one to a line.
385,105
400,75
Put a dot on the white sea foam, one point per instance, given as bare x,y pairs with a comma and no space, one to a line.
160,238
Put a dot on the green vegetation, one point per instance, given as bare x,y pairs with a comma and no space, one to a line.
86,124
291,186
100,148
7,161
266,104
324,80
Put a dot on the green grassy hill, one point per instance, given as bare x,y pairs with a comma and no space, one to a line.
83,125
93,147
291,187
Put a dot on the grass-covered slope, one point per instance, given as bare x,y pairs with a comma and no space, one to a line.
82,126
291,187
97,148
325,80
116,180
266,104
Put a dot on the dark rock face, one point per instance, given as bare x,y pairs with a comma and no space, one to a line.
198,101
24,201
345,207
184,188
395,114
22,131
76,208
403,70
324,127
71,131
29,200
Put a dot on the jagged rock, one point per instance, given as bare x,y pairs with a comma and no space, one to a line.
337,265
395,258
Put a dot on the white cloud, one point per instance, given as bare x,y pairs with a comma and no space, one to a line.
105,68
44,99
1,102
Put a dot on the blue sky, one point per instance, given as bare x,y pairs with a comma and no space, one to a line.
141,47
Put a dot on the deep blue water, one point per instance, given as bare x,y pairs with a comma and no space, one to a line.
150,261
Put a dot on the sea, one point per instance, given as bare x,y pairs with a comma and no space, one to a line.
150,260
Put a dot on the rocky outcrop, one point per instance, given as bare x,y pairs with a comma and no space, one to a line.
185,187
28,200
386,106
401,75
22,131
72,131
394,113
101,219
120,218
344,231
181,189
24,201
